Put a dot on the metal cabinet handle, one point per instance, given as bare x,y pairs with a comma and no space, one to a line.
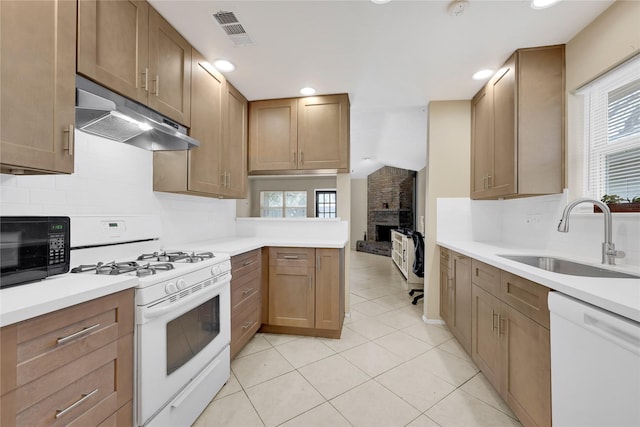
489,181
156,85
78,334
501,327
61,412
494,324
244,264
70,141
145,80
301,157
291,257
228,179
246,291
247,325
310,282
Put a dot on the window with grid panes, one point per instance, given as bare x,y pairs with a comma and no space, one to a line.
612,133
326,204
279,204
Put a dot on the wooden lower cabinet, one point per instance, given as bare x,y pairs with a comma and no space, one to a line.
460,307
306,291
71,366
246,298
510,341
445,285
526,368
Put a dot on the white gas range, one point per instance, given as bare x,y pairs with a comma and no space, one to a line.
182,318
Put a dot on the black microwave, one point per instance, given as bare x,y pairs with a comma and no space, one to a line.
32,248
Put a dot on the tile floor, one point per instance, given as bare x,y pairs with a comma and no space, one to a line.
388,369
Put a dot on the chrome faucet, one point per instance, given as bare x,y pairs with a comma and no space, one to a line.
609,252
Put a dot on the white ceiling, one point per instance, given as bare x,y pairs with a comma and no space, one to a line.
392,59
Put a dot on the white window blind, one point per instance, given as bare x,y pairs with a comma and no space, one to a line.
278,204
612,132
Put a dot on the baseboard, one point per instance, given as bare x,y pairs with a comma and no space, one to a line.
432,321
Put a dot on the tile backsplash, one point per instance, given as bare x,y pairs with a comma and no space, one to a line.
113,178
531,223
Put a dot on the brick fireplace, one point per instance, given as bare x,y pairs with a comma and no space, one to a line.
390,198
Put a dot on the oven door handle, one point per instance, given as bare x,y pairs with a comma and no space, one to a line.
203,295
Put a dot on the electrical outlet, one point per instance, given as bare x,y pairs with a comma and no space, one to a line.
534,219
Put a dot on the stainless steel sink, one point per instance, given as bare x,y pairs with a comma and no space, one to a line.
563,266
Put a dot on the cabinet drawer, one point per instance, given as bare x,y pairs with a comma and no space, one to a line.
245,263
245,287
245,323
92,396
51,341
528,297
485,276
292,257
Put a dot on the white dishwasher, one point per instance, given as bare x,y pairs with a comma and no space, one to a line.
595,365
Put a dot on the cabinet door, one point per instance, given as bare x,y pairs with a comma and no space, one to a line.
323,132
234,143
37,76
461,315
444,292
292,296
273,135
113,45
169,70
502,181
205,173
526,368
328,289
481,141
485,336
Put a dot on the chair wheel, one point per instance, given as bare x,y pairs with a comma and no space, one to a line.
411,293
414,302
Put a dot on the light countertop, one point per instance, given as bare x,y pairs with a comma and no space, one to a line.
23,302
238,245
621,296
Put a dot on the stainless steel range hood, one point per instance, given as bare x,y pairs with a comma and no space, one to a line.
102,112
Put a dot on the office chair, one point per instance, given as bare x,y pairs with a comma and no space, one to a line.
418,264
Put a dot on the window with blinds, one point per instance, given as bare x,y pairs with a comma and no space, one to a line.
612,131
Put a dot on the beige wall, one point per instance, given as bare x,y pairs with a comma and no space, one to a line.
448,175
358,210
309,184
421,192
343,185
611,38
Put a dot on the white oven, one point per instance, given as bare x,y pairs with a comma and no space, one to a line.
182,348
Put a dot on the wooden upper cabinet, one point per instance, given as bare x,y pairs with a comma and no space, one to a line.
169,70
300,134
37,70
129,48
323,132
273,135
113,40
234,142
218,167
517,135
204,170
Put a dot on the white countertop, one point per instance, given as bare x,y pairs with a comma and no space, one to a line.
238,245
23,302
621,296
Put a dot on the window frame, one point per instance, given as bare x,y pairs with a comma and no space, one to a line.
284,207
316,201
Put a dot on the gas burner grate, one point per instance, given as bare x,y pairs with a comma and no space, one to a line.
177,256
114,268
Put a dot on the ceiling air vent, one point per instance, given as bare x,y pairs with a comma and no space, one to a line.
233,28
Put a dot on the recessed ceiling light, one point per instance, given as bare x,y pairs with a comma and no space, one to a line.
380,1
224,65
307,91
542,4
482,74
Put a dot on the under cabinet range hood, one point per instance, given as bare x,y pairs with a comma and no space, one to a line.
102,112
